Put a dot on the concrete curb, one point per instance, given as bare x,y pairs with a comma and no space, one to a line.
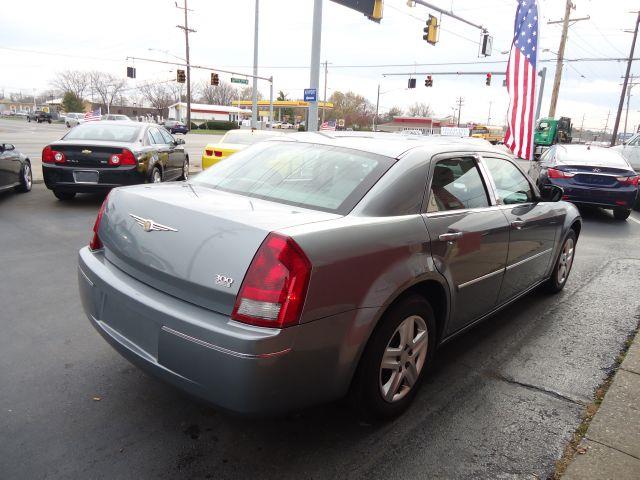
611,446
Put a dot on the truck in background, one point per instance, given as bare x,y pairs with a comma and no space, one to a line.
550,131
493,135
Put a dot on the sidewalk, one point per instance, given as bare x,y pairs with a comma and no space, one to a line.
611,445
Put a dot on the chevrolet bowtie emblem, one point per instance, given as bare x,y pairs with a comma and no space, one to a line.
149,225
86,152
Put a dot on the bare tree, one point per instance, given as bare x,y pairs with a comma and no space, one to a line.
74,81
107,86
420,109
160,95
247,92
221,94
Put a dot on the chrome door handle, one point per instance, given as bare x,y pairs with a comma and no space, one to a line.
450,237
518,224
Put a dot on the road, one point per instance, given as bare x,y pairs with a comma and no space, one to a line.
501,401
31,138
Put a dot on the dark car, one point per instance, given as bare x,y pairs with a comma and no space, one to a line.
303,269
175,126
97,156
589,175
39,116
15,169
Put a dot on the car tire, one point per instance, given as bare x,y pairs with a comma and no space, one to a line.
564,262
29,119
621,213
68,126
155,176
380,393
185,171
26,179
49,122
64,196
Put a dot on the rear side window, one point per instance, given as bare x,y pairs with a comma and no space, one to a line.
166,136
155,138
456,185
330,179
513,187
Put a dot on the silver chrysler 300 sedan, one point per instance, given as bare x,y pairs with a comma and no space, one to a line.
314,266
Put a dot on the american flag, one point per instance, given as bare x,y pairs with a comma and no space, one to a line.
521,80
93,116
330,125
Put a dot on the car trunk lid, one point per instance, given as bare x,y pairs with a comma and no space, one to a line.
81,154
193,242
595,174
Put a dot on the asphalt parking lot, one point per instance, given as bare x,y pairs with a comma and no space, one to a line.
31,138
500,403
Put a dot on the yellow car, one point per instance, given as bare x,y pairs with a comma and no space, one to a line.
233,141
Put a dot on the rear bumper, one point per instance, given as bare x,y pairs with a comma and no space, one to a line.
237,367
59,177
600,196
207,161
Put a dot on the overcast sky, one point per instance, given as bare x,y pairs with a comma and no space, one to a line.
40,37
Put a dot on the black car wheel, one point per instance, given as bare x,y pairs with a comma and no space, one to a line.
563,265
395,359
49,122
26,178
621,213
29,119
64,195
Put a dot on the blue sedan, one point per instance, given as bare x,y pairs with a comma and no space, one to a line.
589,175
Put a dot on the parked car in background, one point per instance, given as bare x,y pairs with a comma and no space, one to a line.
21,113
116,117
274,125
315,266
15,169
631,151
589,175
97,156
39,116
287,126
175,126
72,119
233,141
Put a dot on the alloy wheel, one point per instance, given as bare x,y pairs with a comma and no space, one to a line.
185,171
157,178
403,358
565,260
28,179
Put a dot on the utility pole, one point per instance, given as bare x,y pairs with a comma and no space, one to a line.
606,125
375,119
581,129
543,78
324,100
626,82
563,41
187,30
626,116
460,104
314,71
254,94
489,116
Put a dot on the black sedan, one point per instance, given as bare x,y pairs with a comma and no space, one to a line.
97,156
589,175
175,126
15,169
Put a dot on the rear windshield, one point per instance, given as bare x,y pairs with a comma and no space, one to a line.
104,131
245,138
593,155
319,177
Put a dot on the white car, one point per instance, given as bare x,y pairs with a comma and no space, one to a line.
73,119
631,151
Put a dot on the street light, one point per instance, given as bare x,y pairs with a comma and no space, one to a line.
375,118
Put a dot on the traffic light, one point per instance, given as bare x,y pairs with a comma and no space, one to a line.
412,83
431,30
429,81
180,76
131,72
488,81
215,80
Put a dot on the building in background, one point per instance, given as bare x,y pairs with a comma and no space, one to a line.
201,112
428,126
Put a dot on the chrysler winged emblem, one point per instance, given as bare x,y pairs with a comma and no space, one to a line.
149,225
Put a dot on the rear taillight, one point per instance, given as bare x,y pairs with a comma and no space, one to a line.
631,181
209,153
218,153
123,158
555,173
96,243
275,286
50,155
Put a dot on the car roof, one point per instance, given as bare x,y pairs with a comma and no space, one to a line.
256,132
587,153
393,145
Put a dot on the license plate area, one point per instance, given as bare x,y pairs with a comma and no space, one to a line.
85,176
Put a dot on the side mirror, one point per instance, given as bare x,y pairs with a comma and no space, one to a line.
179,141
7,147
551,193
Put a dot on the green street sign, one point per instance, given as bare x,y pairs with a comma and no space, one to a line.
243,81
